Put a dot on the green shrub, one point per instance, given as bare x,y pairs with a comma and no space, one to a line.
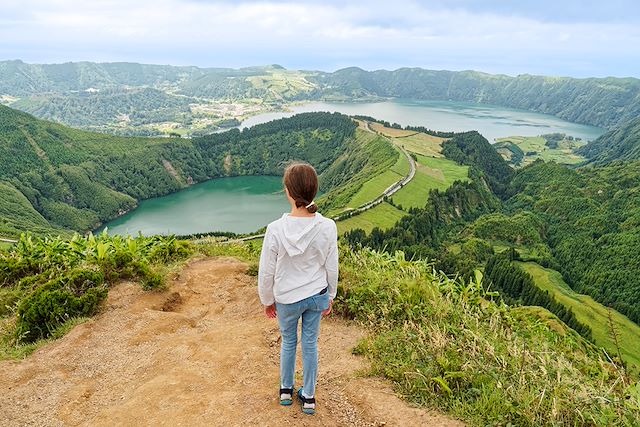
8,300
252,270
53,280
51,305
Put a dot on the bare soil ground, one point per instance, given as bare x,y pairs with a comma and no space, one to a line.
199,353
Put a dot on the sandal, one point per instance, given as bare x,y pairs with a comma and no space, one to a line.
308,403
286,396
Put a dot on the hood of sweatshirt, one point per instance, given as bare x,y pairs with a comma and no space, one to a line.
299,232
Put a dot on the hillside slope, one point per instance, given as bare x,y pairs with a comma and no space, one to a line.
76,179
621,143
590,220
603,102
200,353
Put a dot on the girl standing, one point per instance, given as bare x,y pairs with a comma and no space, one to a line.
297,279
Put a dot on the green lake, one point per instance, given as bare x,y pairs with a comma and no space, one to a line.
245,204
239,204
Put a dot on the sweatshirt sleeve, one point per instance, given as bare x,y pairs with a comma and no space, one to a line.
267,268
332,263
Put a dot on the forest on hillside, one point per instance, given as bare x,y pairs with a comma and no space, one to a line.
76,180
582,222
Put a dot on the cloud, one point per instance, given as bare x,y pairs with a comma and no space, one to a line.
459,34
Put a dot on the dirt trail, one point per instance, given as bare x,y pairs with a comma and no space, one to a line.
200,353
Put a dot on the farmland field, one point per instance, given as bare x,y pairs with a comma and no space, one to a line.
535,147
383,216
390,132
421,143
373,188
431,174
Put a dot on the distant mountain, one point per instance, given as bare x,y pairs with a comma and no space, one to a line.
147,100
604,102
20,79
621,143
92,109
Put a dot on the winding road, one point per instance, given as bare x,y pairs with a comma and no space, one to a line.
386,193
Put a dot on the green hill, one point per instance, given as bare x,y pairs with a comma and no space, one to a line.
608,326
62,178
590,219
621,143
131,107
605,102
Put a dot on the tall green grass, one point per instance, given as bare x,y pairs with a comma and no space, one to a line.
446,346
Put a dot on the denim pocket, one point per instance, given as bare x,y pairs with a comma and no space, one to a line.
321,301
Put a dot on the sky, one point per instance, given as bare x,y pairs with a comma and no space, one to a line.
549,37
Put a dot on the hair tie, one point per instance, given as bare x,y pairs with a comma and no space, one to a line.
310,204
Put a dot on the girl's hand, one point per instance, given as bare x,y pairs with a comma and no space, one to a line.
270,311
328,310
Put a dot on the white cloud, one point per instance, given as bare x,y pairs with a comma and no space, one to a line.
308,34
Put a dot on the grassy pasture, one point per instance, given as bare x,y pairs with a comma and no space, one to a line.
591,313
374,187
415,142
421,143
282,83
534,147
391,132
383,216
431,174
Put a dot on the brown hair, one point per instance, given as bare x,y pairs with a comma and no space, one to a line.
301,180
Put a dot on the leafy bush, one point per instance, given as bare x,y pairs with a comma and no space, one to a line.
53,280
50,305
8,300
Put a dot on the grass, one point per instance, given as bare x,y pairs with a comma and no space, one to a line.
431,174
391,132
367,159
373,188
445,346
11,349
591,313
415,142
564,154
421,143
281,83
383,216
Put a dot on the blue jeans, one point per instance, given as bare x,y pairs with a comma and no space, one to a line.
310,309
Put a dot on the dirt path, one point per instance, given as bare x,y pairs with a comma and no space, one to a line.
200,353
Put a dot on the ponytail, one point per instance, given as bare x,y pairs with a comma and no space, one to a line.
301,180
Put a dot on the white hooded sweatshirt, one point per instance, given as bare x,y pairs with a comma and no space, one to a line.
299,259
